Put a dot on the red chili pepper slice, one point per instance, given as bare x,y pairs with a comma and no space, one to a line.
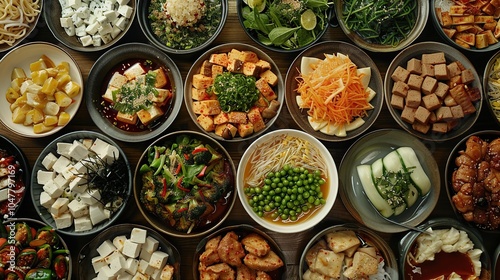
178,170
179,185
202,172
182,209
199,149
164,190
186,156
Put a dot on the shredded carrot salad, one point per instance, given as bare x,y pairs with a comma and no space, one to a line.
333,91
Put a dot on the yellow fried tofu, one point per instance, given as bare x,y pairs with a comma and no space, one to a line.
202,82
265,89
219,59
312,253
235,66
363,265
230,249
237,117
245,129
126,118
249,56
264,65
269,262
161,78
216,70
221,118
256,244
163,96
251,69
206,122
256,119
206,107
149,115
269,77
341,240
199,94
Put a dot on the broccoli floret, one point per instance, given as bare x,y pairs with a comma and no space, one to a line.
211,194
196,209
202,157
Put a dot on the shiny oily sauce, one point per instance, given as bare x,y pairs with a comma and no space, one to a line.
443,264
107,110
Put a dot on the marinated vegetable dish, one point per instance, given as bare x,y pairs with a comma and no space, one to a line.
239,255
12,185
448,253
474,182
184,24
286,24
187,183
380,22
234,94
29,252
138,95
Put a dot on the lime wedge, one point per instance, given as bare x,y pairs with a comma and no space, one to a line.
307,19
258,5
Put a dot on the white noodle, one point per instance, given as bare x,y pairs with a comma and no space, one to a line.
15,19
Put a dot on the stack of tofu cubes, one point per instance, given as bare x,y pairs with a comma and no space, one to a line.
95,22
66,194
137,257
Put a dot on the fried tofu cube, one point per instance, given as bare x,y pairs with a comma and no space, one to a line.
117,80
429,85
256,119
226,130
400,88
422,115
431,102
265,89
269,77
149,115
219,59
443,113
340,241
134,71
245,129
126,118
216,70
108,94
221,118
237,117
206,107
397,102
433,58
464,19
441,71
421,127
235,66
161,78
251,69
441,90
206,68
468,38
249,56
440,127
446,19
408,114
199,94
264,65
413,98
206,122
201,81
400,74
163,96
467,76
415,81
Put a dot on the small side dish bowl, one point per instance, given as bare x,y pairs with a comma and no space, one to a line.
198,190
466,160
94,27
104,92
366,150
447,23
19,175
43,55
389,29
123,232
26,24
223,122
183,32
473,257
51,253
290,27
361,60
491,86
240,232
440,118
337,239
304,164
81,183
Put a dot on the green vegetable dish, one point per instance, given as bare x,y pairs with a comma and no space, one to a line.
187,183
184,24
235,92
286,24
381,22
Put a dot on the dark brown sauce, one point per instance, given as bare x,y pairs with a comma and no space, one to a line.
443,264
109,113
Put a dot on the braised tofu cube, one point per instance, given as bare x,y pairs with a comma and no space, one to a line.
206,122
262,101
117,80
245,129
456,10
414,65
163,96
441,90
269,77
415,81
161,78
413,98
443,113
481,41
216,70
206,107
467,76
264,65
490,37
446,20
221,118
397,102
422,115
464,19
408,114
256,119
429,85
237,117
235,66
226,131
265,89
440,127
236,54
441,72
126,118
400,88
427,70
453,69
421,127
431,102
206,68
457,112
219,59
134,71
249,56
400,74
149,115
199,94
450,32
466,37
108,94
201,81
251,69
433,58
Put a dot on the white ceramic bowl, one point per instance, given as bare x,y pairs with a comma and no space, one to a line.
21,57
301,224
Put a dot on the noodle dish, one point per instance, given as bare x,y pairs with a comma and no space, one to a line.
18,18
287,181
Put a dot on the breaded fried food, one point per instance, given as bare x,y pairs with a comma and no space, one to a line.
261,275
340,241
230,249
223,271
210,255
363,265
269,262
245,273
256,244
313,252
213,243
206,275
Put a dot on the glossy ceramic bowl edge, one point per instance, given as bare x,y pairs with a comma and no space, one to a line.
188,100
157,223
318,215
36,188
97,76
375,240
142,12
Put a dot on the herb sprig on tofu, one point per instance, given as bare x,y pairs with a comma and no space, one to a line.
235,92
136,96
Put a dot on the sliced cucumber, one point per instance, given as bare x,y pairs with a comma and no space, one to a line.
365,176
392,162
411,163
400,209
411,196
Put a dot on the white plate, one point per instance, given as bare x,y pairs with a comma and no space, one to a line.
22,57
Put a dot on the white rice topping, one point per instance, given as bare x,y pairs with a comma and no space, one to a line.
185,12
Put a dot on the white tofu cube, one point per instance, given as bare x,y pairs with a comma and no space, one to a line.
67,12
131,249
151,244
105,28
78,185
61,182
77,151
121,23
138,235
140,276
80,168
96,40
65,220
86,40
155,275
122,2
61,164
115,254
145,268
43,176
125,11
158,259
118,263
75,4
49,160
70,31
78,209
82,224
134,71
110,154
119,242
80,28
110,15
106,38
87,142
131,265
63,149
68,173
124,276
52,189
90,197
100,145
66,22
105,274
4,194
92,28
83,11
115,32
106,248
60,206
45,200
167,272
97,214
145,255
98,263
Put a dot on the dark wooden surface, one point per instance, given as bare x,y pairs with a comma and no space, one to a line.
291,244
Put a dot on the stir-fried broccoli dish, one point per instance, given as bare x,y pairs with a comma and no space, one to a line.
183,183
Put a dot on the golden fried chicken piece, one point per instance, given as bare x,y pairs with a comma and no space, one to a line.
261,275
256,244
269,262
245,273
206,275
230,249
213,243
210,255
223,271
363,265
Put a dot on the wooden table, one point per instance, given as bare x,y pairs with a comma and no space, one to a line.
291,244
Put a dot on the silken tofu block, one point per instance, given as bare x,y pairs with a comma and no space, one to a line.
138,235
